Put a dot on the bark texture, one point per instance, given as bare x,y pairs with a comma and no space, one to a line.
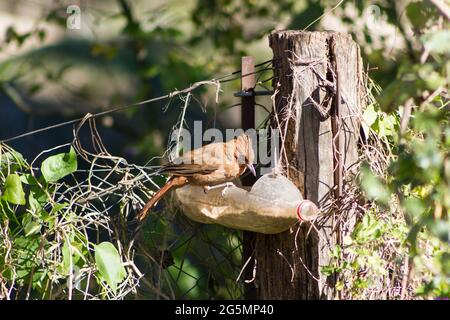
320,92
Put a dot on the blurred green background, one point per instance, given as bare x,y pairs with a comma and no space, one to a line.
127,51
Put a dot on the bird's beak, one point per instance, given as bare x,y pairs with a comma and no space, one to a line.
251,168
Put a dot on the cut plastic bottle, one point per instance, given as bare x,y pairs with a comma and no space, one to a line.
272,205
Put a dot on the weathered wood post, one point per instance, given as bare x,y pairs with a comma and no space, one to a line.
319,95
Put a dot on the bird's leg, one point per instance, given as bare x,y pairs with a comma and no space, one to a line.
217,186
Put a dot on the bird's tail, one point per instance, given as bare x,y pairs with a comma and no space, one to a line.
174,182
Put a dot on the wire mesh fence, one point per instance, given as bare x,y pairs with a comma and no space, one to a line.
51,239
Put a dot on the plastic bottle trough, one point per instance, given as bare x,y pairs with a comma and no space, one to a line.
272,205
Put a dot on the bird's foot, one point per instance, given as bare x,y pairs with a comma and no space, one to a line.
225,186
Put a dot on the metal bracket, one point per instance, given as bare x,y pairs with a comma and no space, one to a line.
253,93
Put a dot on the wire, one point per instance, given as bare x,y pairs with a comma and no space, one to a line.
323,15
220,79
62,124
248,74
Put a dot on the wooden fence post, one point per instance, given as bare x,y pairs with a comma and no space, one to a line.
319,95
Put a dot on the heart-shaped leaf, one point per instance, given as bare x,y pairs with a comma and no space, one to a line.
109,264
60,165
13,190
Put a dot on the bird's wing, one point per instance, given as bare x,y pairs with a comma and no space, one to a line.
212,154
188,169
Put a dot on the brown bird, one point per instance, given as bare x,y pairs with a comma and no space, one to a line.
210,165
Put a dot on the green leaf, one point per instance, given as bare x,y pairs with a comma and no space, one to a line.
109,264
7,212
58,207
25,252
370,115
35,206
374,187
31,228
430,78
327,270
39,195
386,125
368,229
336,251
71,259
29,179
438,42
419,13
58,166
13,190
440,229
7,159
